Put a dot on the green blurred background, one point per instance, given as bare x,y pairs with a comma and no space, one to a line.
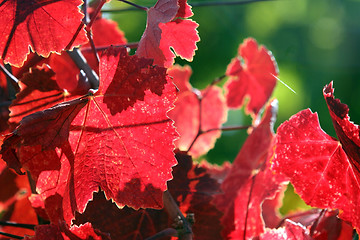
314,42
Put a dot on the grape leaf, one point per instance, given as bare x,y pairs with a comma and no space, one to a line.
243,218
253,75
192,188
114,140
40,25
248,159
14,205
62,232
168,27
39,91
243,187
346,131
250,182
318,167
291,231
191,114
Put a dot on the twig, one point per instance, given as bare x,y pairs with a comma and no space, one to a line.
168,232
227,128
102,48
174,212
81,63
19,225
11,235
135,5
194,4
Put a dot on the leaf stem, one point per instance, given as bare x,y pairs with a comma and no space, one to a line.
81,63
135,5
194,4
11,235
102,48
174,212
19,225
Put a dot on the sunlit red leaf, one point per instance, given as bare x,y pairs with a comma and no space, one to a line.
252,156
321,172
39,25
192,188
244,217
168,27
115,138
186,113
249,183
252,75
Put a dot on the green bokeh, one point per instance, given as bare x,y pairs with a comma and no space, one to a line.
314,42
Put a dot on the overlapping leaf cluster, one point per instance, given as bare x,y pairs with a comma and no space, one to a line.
102,158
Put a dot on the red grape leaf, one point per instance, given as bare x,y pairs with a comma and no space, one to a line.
14,205
115,139
270,209
191,187
324,224
291,231
61,232
243,218
105,33
303,151
248,159
250,182
254,78
186,113
168,27
39,91
40,25
346,131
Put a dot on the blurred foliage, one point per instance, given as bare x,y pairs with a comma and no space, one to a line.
314,42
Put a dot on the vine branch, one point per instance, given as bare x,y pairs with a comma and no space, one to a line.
81,63
171,207
19,225
194,4
11,235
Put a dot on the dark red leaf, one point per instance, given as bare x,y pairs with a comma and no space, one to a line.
167,27
40,25
62,232
186,113
252,75
346,131
291,231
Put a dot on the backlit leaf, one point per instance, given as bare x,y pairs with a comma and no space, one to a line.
39,25
186,113
168,27
252,75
